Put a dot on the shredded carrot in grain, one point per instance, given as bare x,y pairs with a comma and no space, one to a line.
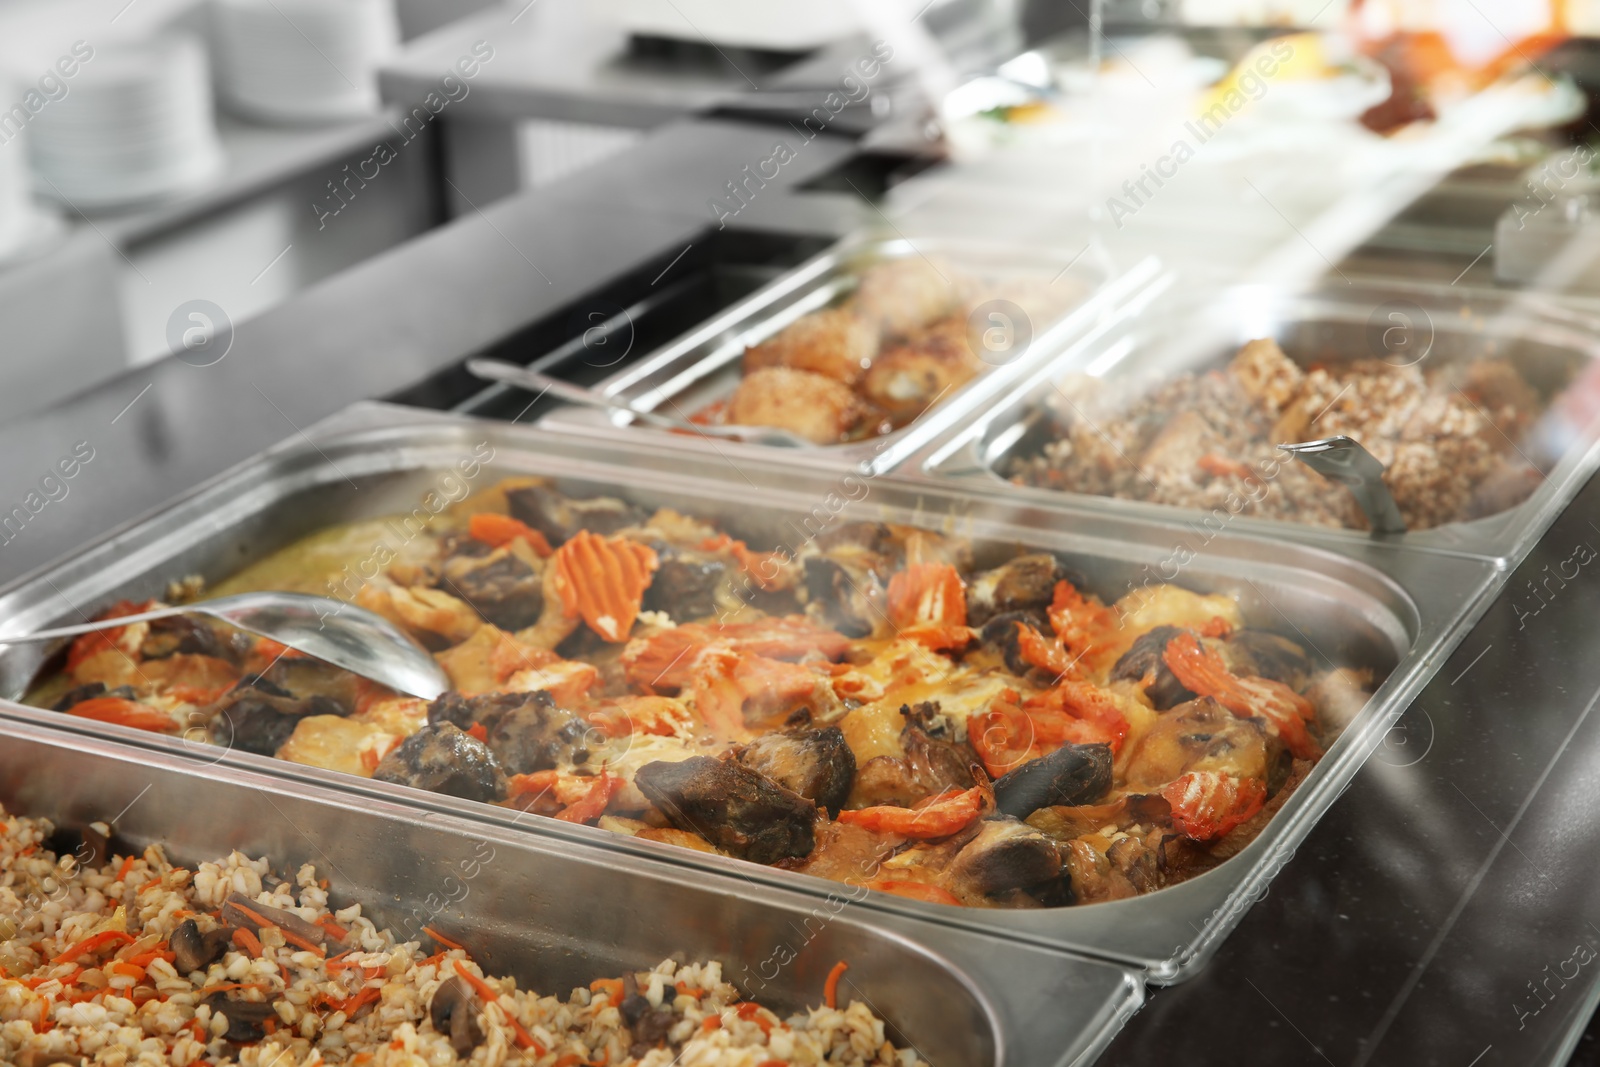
830,988
127,866
445,941
247,942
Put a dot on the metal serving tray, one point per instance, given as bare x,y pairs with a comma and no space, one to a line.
702,366
1398,611
558,916
1152,337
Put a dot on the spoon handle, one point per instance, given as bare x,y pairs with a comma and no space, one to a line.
495,370
91,627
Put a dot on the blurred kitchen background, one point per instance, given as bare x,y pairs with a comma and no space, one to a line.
159,153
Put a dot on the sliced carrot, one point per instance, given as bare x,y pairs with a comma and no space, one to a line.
120,712
336,964
127,969
751,1012
334,930
537,782
93,944
712,1022
592,804
927,594
497,530
603,580
685,989
830,988
127,865
369,760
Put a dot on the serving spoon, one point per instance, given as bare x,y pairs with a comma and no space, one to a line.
495,370
1343,460
331,630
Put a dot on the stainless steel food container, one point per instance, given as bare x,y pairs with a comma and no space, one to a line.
1396,611
557,916
702,366
1159,334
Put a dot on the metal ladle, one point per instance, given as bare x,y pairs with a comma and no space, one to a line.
1343,460
331,630
496,371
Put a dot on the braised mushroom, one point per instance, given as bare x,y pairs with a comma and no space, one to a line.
454,1011
195,951
817,764
1071,775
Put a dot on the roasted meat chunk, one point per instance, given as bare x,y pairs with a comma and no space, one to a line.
685,584
442,759
499,586
732,806
558,516
822,410
527,732
258,715
1071,775
1144,660
836,343
1004,855
1267,655
817,764
1025,583
1202,735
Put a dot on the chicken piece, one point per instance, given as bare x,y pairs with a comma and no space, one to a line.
817,764
427,613
731,806
442,759
1269,377
1202,735
909,377
929,766
835,343
821,410
336,744
904,295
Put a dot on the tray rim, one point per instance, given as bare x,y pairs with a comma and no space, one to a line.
1433,635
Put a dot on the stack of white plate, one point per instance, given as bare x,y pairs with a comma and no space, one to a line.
302,60
136,124
24,228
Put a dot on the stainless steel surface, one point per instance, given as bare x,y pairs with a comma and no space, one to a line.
1395,610
494,370
331,630
703,365
556,916
1158,334
1343,460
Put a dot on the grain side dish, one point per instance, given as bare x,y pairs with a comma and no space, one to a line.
127,960
883,706
1448,436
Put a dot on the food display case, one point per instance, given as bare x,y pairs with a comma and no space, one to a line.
1001,721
